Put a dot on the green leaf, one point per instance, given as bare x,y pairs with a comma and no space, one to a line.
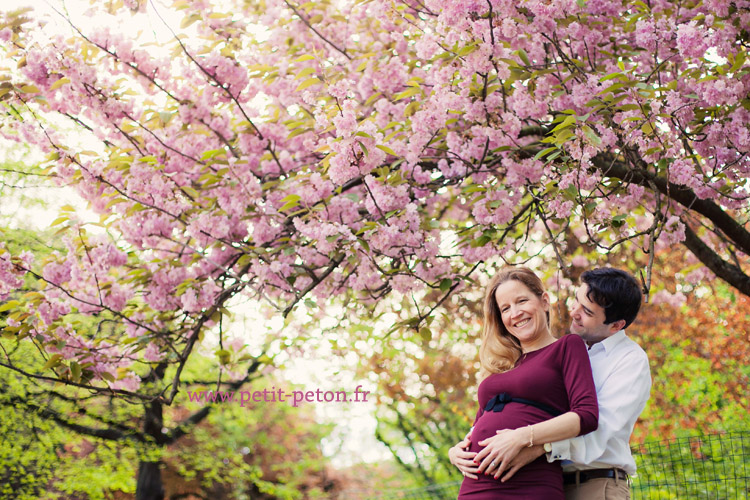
306,71
544,152
567,122
425,333
165,117
75,371
562,137
209,154
610,76
374,97
224,356
190,192
187,21
30,89
291,197
411,91
591,135
53,361
386,149
446,284
288,205
59,83
411,108
468,49
524,57
307,83
11,304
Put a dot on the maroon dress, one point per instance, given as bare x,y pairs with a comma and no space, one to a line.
557,376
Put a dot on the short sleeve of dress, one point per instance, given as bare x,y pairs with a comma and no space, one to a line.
579,382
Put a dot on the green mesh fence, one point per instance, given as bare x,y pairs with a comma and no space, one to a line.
711,467
715,467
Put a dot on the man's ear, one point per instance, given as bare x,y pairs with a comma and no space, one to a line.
617,326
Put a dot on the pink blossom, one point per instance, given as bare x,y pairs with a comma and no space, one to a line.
129,382
691,40
672,299
645,34
10,277
152,353
580,261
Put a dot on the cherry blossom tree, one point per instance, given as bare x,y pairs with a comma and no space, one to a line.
312,152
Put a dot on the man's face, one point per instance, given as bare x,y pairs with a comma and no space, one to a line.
587,318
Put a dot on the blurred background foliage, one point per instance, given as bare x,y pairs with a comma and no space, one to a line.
696,337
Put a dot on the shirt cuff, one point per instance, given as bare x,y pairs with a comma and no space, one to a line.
560,451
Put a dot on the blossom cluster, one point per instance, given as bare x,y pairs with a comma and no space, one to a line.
338,155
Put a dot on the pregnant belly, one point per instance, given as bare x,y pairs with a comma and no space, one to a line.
513,416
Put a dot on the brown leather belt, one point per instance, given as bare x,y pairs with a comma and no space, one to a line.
585,475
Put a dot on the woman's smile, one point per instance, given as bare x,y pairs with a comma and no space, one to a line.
521,323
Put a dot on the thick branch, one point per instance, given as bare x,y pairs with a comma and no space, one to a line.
721,268
107,433
682,195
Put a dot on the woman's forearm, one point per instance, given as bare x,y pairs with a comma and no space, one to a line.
506,444
564,426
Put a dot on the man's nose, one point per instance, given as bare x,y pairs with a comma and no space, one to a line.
575,310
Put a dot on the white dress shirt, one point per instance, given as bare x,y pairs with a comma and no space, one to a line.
623,384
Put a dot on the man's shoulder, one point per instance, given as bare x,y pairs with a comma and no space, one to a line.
628,356
627,347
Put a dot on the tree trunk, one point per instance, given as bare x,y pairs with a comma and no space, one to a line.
149,485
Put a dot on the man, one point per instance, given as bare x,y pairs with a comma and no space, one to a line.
597,465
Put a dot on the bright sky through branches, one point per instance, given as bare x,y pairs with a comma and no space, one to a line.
355,424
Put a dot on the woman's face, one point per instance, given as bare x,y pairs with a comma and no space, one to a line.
523,313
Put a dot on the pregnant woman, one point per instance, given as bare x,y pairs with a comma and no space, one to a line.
534,389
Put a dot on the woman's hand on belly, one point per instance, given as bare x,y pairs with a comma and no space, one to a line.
500,449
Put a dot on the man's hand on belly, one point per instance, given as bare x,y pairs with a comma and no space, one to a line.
463,459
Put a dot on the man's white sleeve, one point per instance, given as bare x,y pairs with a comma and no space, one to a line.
622,397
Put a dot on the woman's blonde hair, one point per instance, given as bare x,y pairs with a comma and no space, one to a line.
500,350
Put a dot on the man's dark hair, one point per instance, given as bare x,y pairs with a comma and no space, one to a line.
616,291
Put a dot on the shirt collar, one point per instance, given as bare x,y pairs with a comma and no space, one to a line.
610,342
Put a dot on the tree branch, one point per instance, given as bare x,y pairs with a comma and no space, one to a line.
721,268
